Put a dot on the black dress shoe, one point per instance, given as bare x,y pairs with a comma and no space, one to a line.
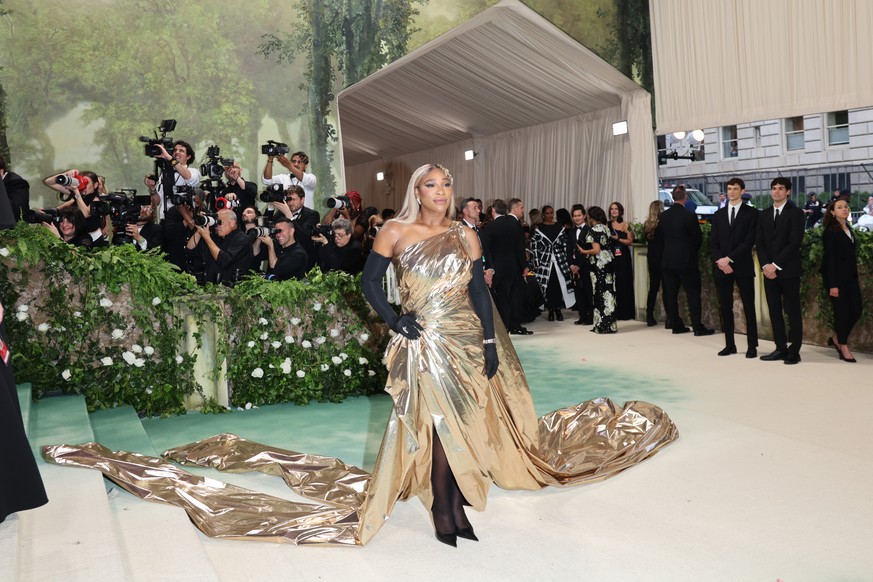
728,350
792,359
776,355
650,321
525,331
668,325
701,331
751,353
551,315
682,329
558,315
448,539
467,533
579,321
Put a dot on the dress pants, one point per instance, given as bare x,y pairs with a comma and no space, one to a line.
746,285
688,279
785,293
584,295
508,295
655,278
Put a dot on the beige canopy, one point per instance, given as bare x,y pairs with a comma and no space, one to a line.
537,107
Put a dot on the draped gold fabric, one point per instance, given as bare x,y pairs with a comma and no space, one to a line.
488,429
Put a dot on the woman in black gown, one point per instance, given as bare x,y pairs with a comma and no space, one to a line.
655,243
839,269
549,247
602,274
621,238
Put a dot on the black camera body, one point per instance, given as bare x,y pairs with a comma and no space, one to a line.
325,229
338,202
183,195
49,215
213,167
151,143
123,209
273,193
274,148
266,227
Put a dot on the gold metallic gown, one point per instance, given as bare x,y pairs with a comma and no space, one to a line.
488,429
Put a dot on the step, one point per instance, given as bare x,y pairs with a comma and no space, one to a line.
75,533
149,531
25,399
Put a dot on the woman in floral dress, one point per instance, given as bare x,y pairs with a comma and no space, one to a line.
602,274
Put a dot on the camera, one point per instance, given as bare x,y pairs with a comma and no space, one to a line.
213,167
273,193
206,219
266,227
325,229
222,203
49,215
374,230
183,195
151,144
274,148
122,208
338,202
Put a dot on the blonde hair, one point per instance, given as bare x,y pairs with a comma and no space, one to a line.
409,212
651,223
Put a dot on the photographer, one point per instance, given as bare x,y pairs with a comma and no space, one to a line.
228,259
184,173
304,219
18,191
349,207
250,223
177,228
80,188
297,177
145,233
244,192
342,252
69,226
285,257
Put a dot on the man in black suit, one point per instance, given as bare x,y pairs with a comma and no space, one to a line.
580,266
734,228
304,220
503,249
18,191
780,234
682,238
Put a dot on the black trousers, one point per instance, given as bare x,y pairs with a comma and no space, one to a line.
584,294
784,294
746,286
688,279
508,295
847,310
655,277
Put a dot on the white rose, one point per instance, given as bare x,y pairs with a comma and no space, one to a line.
257,373
149,391
364,337
60,328
306,344
276,345
334,332
320,339
139,362
263,321
272,367
316,307
77,314
43,327
128,357
371,373
105,302
4,252
347,372
363,361
148,350
136,348
295,321
264,335
21,315
117,334
248,405
286,366
325,367
66,375
179,359
300,373
156,301
344,356
251,344
336,361
23,307
107,361
289,339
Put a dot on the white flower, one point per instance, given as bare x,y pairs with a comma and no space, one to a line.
336,361
306,344
4,252
263,321
334,332
117,334
347,373
364,337
371,373
300,373
344,356
264,335
251,344
276,345
21,316
60,328
156,300
320,339
66,375
139,362
179,359
136,348
105,302
295,321
316,307
128,357
149,391
289,339
248,405
23,307
148,350
286,366
77,314
43,327
257,373
325,367
107,361
363,361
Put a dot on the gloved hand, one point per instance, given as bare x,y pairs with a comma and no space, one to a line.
406,326
491,360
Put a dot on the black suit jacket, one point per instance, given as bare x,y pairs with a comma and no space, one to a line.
18,190
575,237
682,238
839,263
734,240
781,245
503,246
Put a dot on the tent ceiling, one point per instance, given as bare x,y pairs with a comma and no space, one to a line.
505,69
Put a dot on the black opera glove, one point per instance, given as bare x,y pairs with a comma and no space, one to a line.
491,360
480,297
407,326
371,283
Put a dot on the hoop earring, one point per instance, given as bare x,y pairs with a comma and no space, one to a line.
418,200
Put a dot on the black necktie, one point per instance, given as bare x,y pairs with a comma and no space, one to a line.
733,214
776,219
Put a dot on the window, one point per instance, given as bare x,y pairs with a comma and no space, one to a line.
729,141
833,182
838,127
794,133
798,185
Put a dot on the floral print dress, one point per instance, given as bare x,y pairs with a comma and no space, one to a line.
603,281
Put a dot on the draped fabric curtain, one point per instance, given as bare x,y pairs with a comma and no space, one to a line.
723,62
